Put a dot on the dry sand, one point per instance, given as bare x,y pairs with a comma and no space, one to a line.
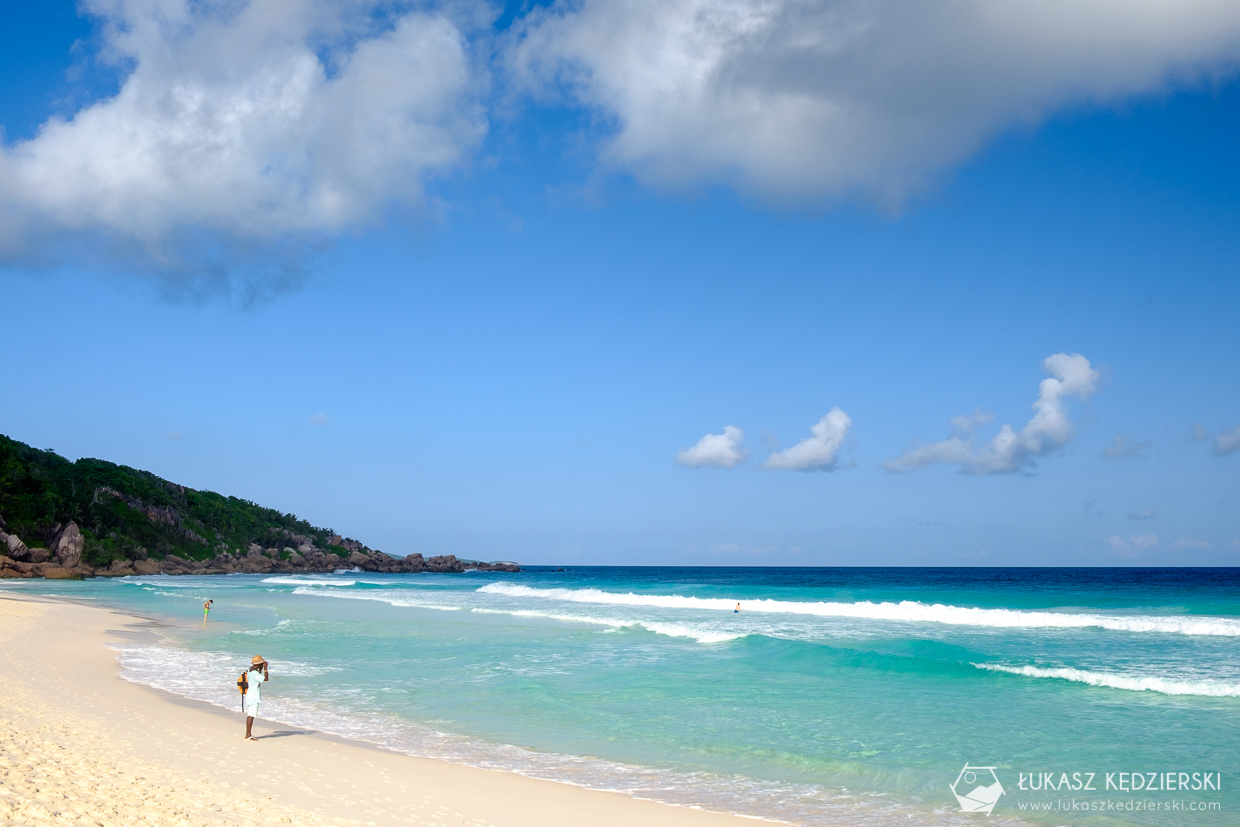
81,746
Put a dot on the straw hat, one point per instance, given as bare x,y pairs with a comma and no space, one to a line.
257,659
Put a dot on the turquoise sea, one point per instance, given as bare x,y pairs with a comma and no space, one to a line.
834,696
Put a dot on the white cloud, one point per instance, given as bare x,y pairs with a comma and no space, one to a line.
1199,432
320,419
964,426
1144,514
248,121
817,452
1008,451
1189,542
1228,442
723,450
1138,542
1122,446
799,100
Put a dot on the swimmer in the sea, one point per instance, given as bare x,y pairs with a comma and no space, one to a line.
737,610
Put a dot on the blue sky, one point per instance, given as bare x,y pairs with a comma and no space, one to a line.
542,287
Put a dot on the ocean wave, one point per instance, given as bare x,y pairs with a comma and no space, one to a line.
307,581
700,635
1135,683
405,601
261,632
908,610
165,581
378,597
668,629
178,670
166,593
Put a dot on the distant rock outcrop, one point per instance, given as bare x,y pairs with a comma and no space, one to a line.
269,561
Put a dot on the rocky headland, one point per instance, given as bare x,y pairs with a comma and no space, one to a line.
63,560
92,518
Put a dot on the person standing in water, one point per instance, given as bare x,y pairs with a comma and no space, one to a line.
206,610
253,693
737,610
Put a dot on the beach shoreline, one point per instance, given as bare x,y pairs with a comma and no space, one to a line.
84,746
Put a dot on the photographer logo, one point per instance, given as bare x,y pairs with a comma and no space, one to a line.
977,789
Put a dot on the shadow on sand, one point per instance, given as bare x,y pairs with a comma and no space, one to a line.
284,733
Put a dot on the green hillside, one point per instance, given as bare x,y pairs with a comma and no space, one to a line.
121,510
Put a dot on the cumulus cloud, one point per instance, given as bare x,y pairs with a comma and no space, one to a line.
817,452
1137,542
1122,446
1143,514
725,450
247,122
800,100
1009,451
1189,542
1228,442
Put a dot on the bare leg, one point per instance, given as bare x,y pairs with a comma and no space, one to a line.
249,725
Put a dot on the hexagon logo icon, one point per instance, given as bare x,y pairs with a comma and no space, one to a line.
977,789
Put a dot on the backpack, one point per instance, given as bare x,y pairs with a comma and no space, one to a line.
243,682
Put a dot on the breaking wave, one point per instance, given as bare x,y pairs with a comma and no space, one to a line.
1135,683
317,590
908,611
669,629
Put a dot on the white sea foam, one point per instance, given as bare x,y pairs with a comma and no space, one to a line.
699,634
178,670
163,580
261,632
378,597
404,600
907,610
677,630
307,581
1136,683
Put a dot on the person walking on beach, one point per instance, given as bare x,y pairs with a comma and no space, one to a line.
253,693
206,610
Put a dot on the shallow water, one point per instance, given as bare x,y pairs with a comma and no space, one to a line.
832,694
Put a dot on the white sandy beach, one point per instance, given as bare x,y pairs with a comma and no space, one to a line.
81,746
